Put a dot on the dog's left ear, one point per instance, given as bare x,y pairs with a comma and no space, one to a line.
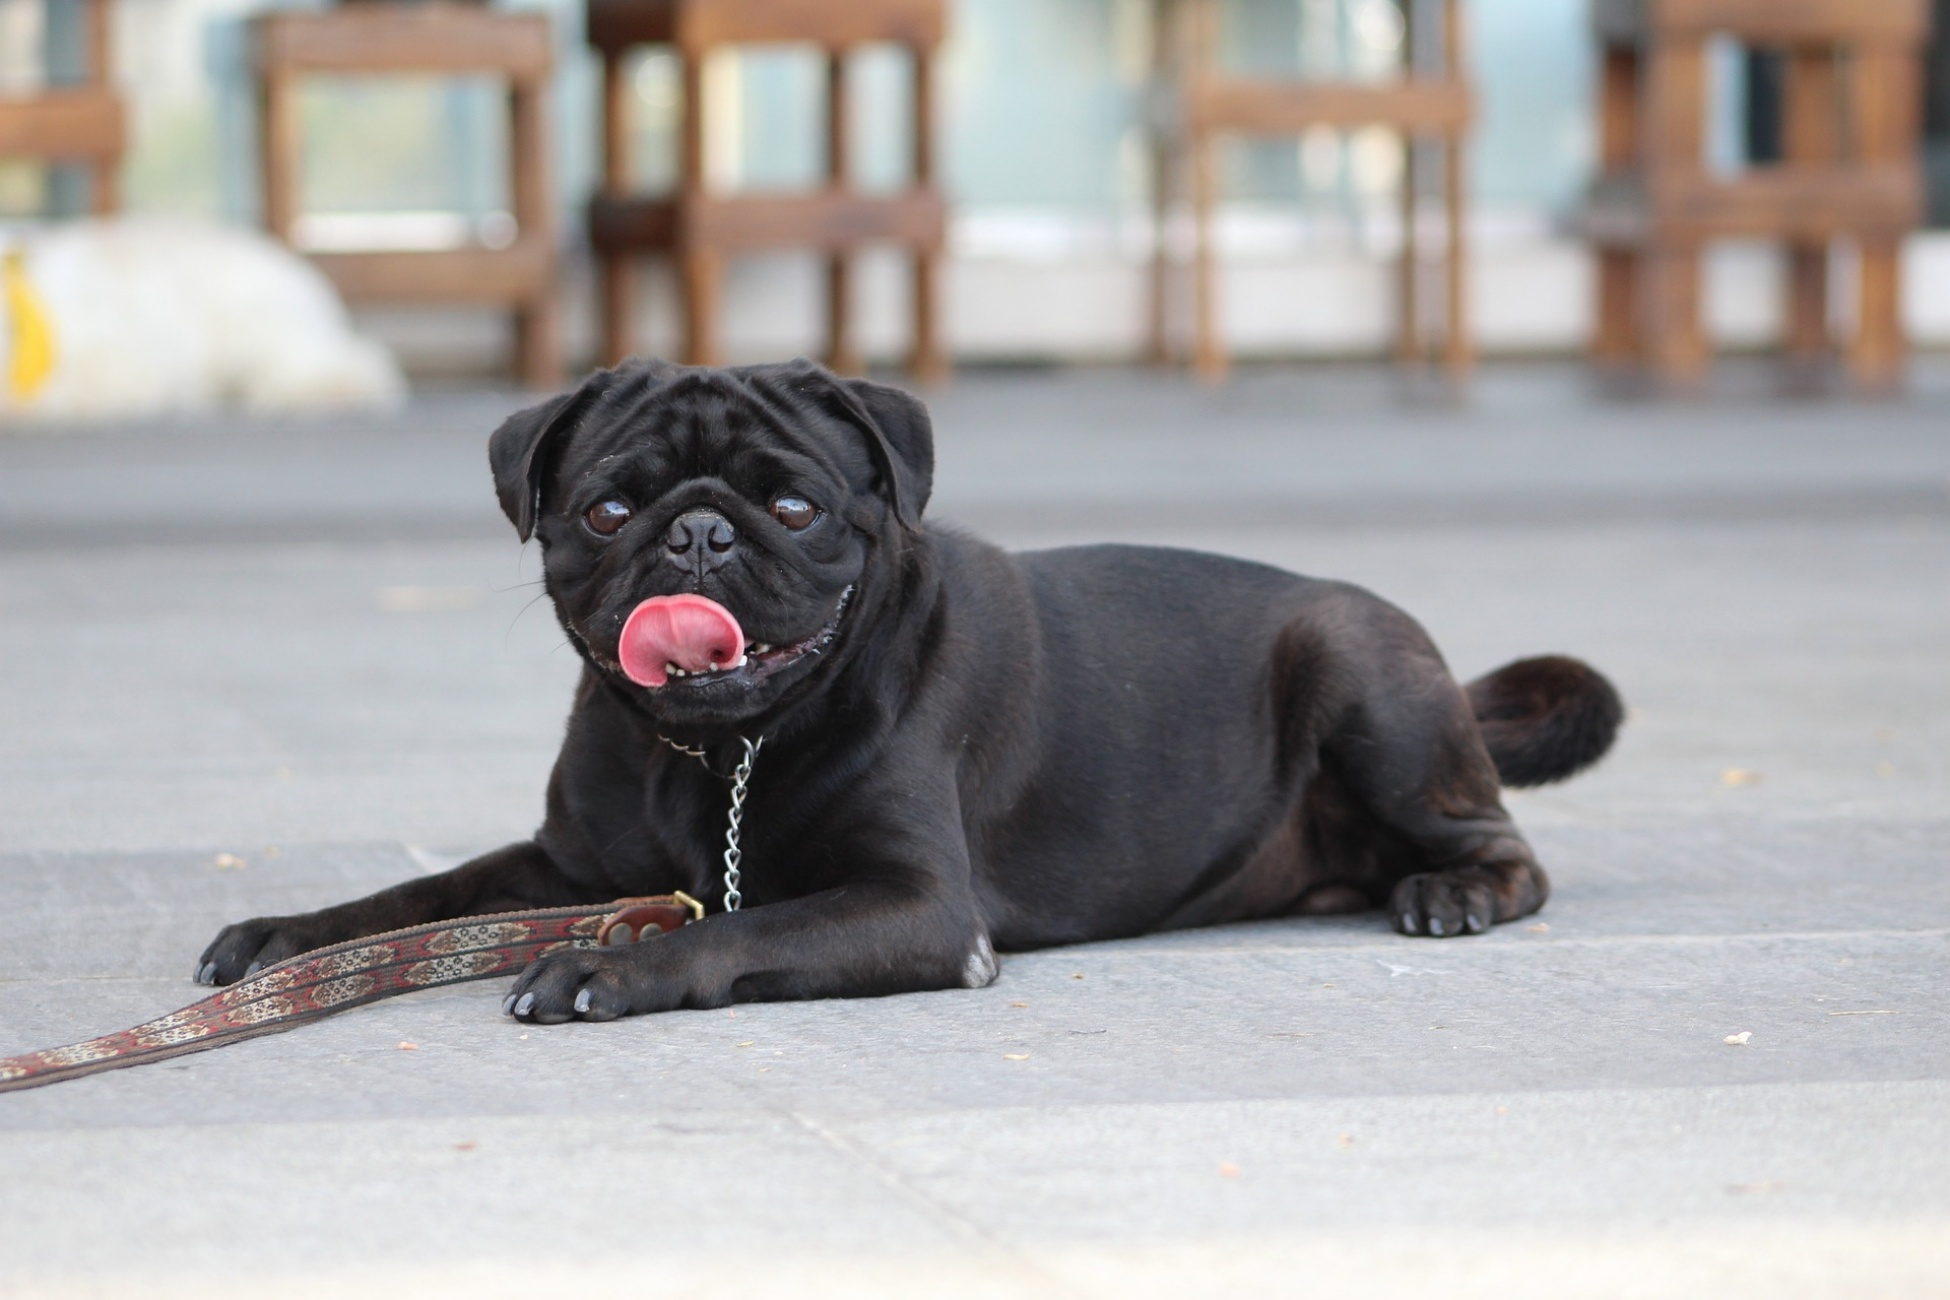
899,433
518,450
903,436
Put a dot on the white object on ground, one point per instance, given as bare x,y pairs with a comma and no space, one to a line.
151,316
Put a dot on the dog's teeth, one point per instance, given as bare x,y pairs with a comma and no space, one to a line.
739,664
761,649
674,671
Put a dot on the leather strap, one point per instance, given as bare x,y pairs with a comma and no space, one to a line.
325,981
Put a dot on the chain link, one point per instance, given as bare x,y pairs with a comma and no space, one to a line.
733,855
740,778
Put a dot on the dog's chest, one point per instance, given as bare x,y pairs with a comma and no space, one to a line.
782,849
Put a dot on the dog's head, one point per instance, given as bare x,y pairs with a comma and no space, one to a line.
709,537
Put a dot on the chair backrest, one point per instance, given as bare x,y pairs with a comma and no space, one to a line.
1766,22
695,25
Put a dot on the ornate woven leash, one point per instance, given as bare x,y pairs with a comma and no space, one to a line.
325,981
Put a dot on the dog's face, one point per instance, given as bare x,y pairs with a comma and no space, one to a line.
752,515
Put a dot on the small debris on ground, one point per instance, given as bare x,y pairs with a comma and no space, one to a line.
1542,927
409,1047
228,862
1228,1170
1739,776
1018,1004
1739,1039
1865,1013
465,1146
1015,1056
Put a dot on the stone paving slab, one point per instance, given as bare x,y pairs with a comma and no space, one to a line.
1639,972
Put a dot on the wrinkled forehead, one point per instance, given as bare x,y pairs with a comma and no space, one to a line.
712,425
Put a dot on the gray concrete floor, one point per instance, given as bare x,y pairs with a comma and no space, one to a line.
312,647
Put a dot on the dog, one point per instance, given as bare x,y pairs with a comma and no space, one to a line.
938,750
147,316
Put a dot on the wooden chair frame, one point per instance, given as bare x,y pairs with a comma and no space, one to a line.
1425,107
85,123
1850,171
440,37
700,230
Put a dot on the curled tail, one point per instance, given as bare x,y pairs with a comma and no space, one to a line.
1544,719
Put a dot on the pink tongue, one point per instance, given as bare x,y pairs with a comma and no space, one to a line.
692,632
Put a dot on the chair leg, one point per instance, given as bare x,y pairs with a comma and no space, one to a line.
618,279
1884,90
1877,357
1621,271
1409,344
1209,360
841,354
929,363
619,307
842,357
702,271
1807,325
1617,342
537,338
538,350
1165,171
277,152
1675,343
1459,350
1157,329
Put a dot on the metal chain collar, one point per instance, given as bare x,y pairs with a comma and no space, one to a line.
741,779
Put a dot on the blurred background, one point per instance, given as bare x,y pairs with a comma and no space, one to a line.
1043,109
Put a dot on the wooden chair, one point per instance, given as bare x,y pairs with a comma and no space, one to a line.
699,228
447,38
1850,170
1424,106
84,123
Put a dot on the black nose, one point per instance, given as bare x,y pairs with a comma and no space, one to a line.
700,539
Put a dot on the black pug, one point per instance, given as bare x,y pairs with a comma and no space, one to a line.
957,750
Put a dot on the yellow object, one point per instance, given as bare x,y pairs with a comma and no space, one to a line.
33,331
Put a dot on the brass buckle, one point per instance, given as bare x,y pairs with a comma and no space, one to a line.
638,919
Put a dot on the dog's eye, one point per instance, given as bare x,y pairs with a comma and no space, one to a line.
606,517
795,512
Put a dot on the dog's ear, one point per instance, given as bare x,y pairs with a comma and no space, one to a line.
899,433
518,450
904,438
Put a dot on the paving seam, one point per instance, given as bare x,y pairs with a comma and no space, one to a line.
958,1224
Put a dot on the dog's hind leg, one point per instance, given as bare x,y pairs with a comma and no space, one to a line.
1397,735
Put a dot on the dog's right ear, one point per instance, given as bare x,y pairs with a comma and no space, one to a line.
518,451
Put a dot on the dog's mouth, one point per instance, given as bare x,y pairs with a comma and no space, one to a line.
690,644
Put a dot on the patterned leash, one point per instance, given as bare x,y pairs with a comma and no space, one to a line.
326,981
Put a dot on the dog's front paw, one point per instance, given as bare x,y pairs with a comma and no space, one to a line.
592,984
1442,905
248,946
